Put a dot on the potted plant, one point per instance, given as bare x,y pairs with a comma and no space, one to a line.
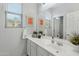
75,41
41,32
34,34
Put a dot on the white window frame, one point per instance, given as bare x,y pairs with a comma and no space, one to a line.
8,12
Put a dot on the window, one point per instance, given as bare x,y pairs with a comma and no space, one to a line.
14,15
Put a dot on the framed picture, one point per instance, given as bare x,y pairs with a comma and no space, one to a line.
41,22
30,21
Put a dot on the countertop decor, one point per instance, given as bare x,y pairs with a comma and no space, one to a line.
75,39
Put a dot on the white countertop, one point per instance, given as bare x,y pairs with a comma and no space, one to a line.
45,42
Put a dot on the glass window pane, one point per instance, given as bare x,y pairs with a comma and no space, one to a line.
14,7
13,20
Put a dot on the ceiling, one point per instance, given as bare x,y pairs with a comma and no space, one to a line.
60,8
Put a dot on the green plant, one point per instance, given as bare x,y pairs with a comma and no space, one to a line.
41,32
34,32
75,39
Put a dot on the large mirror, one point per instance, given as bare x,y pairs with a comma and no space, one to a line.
52,26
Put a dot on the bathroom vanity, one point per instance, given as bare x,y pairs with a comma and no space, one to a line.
46,46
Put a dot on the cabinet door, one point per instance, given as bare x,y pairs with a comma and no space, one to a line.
33,49
28,47
41,52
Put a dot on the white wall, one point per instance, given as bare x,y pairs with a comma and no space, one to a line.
10,38
30,10
72,23
11,42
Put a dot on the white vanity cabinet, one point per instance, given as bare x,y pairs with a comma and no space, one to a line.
44,47
35,50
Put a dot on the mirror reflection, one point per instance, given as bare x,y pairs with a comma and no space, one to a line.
52,26
58,27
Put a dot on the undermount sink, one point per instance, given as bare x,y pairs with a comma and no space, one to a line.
56,44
